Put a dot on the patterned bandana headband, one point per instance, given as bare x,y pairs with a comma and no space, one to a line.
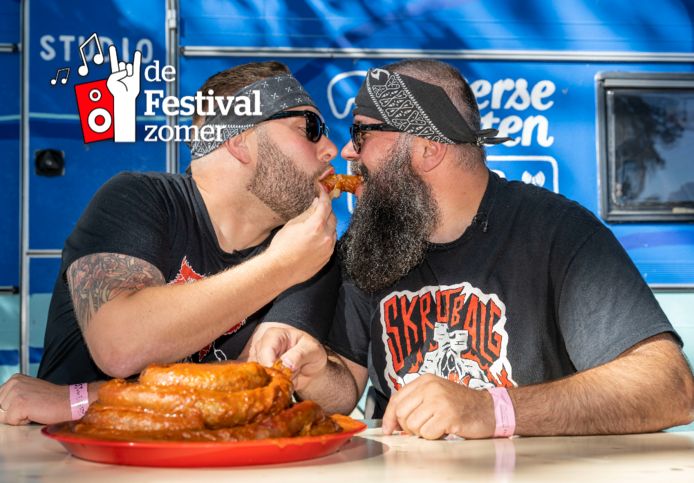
275,94
418,108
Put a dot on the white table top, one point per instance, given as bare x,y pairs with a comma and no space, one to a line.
26,455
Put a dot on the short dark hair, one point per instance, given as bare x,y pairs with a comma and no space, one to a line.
229,81
450,80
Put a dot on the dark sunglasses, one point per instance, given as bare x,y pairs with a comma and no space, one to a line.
356,131
315,127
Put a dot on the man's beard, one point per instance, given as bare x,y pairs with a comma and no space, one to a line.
394,217
278,183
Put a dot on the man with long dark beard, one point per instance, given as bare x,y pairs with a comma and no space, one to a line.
477,306
388,233
164,267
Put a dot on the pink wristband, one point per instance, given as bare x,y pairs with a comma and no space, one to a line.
79,400
503,412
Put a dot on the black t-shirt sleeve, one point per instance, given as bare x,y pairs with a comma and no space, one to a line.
350,335
126,215
310,305
604,306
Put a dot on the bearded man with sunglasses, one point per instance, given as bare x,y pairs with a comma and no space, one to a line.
165,267
477,306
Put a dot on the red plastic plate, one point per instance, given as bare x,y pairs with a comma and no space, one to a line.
202,454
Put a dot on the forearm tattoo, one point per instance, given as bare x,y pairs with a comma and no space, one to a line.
95,279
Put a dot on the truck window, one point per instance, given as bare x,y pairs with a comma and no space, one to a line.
646,147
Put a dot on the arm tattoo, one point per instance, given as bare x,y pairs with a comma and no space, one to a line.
95,279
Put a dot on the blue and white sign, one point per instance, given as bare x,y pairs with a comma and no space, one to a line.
540,171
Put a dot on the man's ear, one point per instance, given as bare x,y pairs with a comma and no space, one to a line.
238,147
428,155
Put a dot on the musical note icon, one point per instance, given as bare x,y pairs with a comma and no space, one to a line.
98,57
63,81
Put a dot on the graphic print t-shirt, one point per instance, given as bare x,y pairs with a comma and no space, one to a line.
162,219
536,289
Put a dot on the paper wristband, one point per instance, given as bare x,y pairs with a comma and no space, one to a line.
79,400
503,412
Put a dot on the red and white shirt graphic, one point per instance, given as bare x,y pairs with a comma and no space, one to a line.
186,274
456,332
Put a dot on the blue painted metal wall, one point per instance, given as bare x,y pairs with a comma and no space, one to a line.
9,145
9,181
55,33
617,25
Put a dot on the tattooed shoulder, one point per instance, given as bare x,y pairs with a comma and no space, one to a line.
95,279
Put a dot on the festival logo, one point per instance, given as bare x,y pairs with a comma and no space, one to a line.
108,107
456,332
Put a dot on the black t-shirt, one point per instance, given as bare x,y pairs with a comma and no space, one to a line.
162,219
534,290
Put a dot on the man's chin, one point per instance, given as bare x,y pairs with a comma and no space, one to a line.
302,207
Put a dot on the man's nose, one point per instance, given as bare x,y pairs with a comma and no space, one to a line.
328,150
348,152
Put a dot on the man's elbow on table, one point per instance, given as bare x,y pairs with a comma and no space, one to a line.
677,389
115,353
688,396
114,361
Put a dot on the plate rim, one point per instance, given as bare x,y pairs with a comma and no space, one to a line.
52,431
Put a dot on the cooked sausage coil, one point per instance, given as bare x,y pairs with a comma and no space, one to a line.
204,402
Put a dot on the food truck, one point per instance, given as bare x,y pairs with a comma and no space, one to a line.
597,98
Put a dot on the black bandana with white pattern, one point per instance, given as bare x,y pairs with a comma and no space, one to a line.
276,94
418,108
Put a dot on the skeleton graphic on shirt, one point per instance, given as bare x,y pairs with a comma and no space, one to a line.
456,332
446,360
